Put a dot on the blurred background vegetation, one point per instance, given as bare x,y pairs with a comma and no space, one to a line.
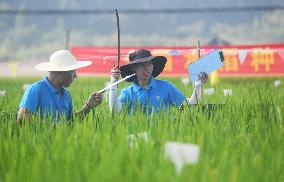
33,36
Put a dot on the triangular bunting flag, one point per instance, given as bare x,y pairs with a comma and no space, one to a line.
214,78
281,54
175,52
242,55
13,66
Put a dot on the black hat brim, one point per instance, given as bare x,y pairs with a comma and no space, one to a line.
159,63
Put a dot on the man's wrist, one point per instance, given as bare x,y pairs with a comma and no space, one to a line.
113,79
88,106
198,83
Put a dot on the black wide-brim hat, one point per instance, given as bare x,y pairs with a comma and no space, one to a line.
142,56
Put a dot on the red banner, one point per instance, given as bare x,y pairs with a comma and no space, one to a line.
253,60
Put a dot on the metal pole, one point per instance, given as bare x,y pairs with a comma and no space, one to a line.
199,56
67,41
198,49
118,38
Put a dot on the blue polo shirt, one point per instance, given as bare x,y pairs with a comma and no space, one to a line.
159,95
42,97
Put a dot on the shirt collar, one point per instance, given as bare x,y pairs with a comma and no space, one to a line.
152,84
51,88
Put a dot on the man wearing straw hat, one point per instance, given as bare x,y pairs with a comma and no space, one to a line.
146,91
49,96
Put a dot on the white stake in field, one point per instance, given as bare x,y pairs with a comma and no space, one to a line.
3,93
181,154
277,83
135,138
227,92
185,81
209,91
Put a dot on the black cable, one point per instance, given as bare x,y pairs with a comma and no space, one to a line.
139,11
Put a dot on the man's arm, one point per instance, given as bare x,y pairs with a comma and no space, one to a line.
94,100
197,93
22,114
114,104
29,103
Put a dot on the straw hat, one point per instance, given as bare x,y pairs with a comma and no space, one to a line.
62,60
142,56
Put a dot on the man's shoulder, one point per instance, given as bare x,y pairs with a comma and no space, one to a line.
36,85
128,88
32,93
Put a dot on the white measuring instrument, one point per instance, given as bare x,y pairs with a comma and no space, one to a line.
115,83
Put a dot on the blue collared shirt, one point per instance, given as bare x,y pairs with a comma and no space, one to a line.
159,95
42,97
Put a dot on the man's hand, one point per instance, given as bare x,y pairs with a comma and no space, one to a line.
94,100
115,73
23,113
203,77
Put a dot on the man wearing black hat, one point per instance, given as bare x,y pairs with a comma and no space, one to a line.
146,92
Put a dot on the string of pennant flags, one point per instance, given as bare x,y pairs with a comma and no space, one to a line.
242,53
13,66
239,60
176,52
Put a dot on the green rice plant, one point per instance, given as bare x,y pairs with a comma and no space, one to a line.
240,141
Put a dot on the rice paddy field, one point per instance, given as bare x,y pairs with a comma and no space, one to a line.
241,141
